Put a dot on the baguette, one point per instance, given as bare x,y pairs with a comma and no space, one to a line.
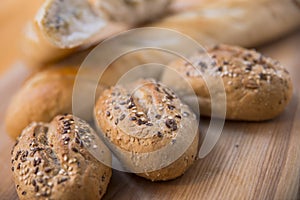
81,25
238,22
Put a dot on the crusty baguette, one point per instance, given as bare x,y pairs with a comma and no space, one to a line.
133,12
62,27
238,22
54,161
149,129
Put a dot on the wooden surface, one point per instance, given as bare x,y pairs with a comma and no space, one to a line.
250,161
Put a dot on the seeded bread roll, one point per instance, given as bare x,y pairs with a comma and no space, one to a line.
43,96
257,87
51,161
149,129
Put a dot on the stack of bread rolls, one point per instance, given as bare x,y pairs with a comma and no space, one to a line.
52,157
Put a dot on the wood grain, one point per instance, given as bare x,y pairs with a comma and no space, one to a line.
250,161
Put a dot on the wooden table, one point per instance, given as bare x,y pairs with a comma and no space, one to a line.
250,161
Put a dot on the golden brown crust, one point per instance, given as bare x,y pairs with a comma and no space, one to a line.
51,161
236,22
145,119
257,87
133,12
43,96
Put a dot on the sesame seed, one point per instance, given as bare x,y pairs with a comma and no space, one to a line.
139,114
159,134
74,149
39,174
66,138
65,157
149,124
133,118
178,116
48,169
171,107
171,124
185,114
36,170
61,180
36,188
122,117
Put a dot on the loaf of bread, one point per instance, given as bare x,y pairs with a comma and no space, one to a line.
82,24
257,87
63,27
132,12
237,22
149,129
43,96
53,161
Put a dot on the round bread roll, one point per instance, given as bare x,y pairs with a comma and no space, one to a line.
51,161
43,96
149,129
257,87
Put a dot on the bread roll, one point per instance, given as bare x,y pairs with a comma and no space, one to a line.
51,161
257,87
43,96
148,128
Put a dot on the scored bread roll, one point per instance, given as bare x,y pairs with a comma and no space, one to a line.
51,161
257,87
149,129
43,96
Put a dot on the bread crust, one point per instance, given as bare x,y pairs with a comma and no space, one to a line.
237,22
257,87
148,120
51,160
